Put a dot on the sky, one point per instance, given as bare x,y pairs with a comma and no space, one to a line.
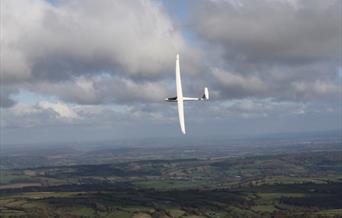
83,70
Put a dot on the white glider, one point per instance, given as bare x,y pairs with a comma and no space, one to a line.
180,99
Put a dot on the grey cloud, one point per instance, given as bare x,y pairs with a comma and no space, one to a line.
5,96
267,107
237,85
57,113
46,45
5,101
103,89
249,108
80,37
271,31
285,50
315,90
282,84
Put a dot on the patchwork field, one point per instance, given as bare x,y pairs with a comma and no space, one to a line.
283,185
284,179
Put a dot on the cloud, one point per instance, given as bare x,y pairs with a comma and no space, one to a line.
43,113
264,49
57,113
237,85
5,96
112,62
284,50
80,37
280,32
103,89
266,107
71,40
297,86
314,90
256,108
61,109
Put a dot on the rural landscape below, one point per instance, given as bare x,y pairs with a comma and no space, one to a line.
278,176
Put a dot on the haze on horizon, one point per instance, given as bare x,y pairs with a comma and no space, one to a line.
90,70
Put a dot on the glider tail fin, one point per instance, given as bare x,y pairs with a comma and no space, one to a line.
205,94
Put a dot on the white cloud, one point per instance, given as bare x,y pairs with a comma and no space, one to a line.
61,109
43,113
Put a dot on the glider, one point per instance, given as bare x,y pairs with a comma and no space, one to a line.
180,98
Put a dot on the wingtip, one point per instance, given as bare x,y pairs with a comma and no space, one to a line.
177,56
